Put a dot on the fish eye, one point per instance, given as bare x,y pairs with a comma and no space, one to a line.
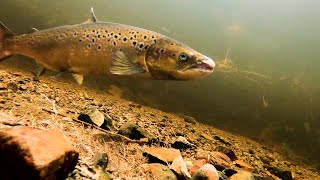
183,56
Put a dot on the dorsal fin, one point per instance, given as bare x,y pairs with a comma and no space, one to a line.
92,19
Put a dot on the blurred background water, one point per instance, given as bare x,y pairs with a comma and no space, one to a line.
270,90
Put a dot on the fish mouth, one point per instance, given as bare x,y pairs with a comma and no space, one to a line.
204,65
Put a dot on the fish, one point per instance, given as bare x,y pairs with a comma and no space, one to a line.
106,49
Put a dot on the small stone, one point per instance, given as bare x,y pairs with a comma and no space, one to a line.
189,119
216,137
197,165
283,174
92,116
227,151
28,153
161,154
12,86
242,175
208,172
229,172
179,166
201,154
100,160
220,160
23,87
135,132
182,143
206,136
159,171
3,86
244,166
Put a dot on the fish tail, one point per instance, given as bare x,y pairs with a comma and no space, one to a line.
5,33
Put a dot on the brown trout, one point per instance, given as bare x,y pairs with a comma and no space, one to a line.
105,48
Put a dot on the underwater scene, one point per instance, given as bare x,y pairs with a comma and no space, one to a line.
201,89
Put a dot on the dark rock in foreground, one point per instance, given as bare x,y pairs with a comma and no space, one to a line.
28,153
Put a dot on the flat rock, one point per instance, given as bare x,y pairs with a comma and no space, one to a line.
202,154
135,132
281,173
30,153
208,172
182,143
92,116
161,154
242,175
180,167
159,171
197,165
220,160
227,151
244,166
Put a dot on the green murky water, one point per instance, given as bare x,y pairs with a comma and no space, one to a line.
270,93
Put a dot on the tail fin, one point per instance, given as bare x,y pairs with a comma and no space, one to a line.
4,34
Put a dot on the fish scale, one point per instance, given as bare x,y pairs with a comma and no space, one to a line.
105,48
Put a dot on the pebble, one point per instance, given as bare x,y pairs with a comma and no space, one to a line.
227,151
180,167
207,171
220,160
134,131
161,154
159,171
92,116
244,166
197,165
182,143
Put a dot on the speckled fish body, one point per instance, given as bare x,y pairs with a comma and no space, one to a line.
104,48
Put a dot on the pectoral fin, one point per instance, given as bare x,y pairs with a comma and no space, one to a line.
121,65
40,70
78,78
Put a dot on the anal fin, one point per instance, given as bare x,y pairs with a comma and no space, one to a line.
40,70
78,78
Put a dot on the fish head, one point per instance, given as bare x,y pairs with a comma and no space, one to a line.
169,59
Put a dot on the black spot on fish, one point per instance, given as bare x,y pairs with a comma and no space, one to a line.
141,46
106,31
114,43
119,34
152,37
108,35
161,51
93,40
124,39
134,43
80,40
155,41
174,55
112,34
135,36
103,36
144,37
98,36
109,40
85,30
137,32
89,46
131,38
75,34
172,44
146,47
88,35
93,30
115,36
99,47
